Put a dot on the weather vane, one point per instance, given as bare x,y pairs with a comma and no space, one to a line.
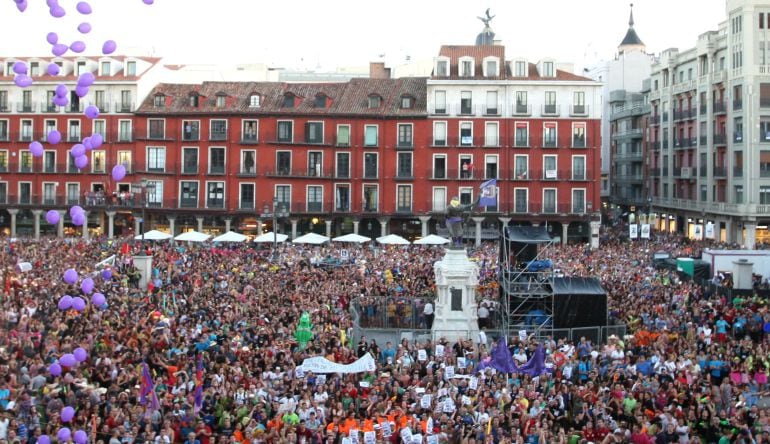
487,19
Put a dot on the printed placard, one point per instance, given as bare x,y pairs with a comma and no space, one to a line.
422,355
425,401
386,430
370,438
461,362
439,350
406,434
417,439
522,335
473,384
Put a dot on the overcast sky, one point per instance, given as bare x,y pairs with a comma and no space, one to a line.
328,33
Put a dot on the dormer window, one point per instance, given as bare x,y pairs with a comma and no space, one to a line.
320,101
466,67
548,70
374,101
520,68
442,68
490,67
105,68
221,100
254,101
288,100
407,102
193,99
159,101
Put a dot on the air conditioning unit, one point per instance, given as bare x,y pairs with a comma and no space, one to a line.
686,172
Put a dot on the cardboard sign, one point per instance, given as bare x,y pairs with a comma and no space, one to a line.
473,384
449,372
425,401
461,363
406,434
386,430
439,350
370,437
422,355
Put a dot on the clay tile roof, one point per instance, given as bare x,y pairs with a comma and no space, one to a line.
478,53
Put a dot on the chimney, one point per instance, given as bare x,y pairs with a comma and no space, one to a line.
377,70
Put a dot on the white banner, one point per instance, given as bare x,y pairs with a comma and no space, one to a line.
710,230
698,232
633,231
645,231
109,261
319,364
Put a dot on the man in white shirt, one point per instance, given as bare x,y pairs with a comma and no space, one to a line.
427,311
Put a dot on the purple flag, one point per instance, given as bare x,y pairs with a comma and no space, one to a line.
536,364
148,389
199,386
501,360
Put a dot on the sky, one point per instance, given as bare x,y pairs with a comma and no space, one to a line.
324,34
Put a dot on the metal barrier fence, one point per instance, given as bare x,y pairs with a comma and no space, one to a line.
387,312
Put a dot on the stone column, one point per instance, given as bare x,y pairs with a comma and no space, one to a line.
36,219
293,228
85,225
750,236
200,224
13,212
595,226
110,224
564,232
355,225
60,228
504,221
137,232
172,225
384,226
729,231
328,228
424,220
259,226
228,223
478,221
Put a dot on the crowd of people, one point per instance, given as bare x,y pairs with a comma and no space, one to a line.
213,338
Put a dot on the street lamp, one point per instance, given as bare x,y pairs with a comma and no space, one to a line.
279,210
143,187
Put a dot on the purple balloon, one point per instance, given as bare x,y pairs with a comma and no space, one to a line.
52,38
71,275
87,144
20,68
51,3
79,304
98,299
79,219
92,111
64,434
22,80
67,413
36,148
21,5
96,140
87,285
54,369
106,274
84,28
80,354
78,46
53,69
59,49
57,11
118,172
81,91
81,162
148,2
65,302
76,209
86,79
60,101
109,47
54,137
81,437
43,439
61,90
68,360
52,217
78,150
83,8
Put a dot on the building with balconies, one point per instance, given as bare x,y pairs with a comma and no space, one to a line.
710,118
628,117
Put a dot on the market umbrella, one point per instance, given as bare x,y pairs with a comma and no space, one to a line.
153,235
230,236
269,237
392,239
311,238
432,239
193,236
352,238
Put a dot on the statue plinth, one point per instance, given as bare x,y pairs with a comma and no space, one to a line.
144,265
457,278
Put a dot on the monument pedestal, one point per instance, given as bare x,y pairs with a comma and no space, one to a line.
743,274
455,307
144,265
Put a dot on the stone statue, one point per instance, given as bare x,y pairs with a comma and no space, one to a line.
487,19
455,219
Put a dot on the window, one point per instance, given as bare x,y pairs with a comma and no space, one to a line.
520,201
320,101
99,101
4,130
764,195
34,69
579,201
156,159
218,130
156,128
521,167
342,198
124,158
370,135
549,200
548,69
550,103
125,101
216,160
466,166
738,194
371,198
106,69
439,199
26,101
98,161
490,166
342,166
4,192
188,191
578,135
370,166
288,100
49,125
49,193
492,105
315,163
26,131
343,135
466,68
285,131
404,165
314,132
405,135
189,160
315,198
249,131
466,102
764,129
283,163
4,101
404,198
762,20
491,138
3,161
439,134
374,101
99,127
520,68
578,167
406,102
159,101
466,195
124,131
249,162
215,195
522,134
221,101
737,97
191,130
738,129
131,68
490,68
283,193
764,95
579,103
549,168
73,131
49,162
254,101
439,102
466,133
442,68
703,193
521,103
247,197
549,135
439,167
80,68
25,161
73,193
